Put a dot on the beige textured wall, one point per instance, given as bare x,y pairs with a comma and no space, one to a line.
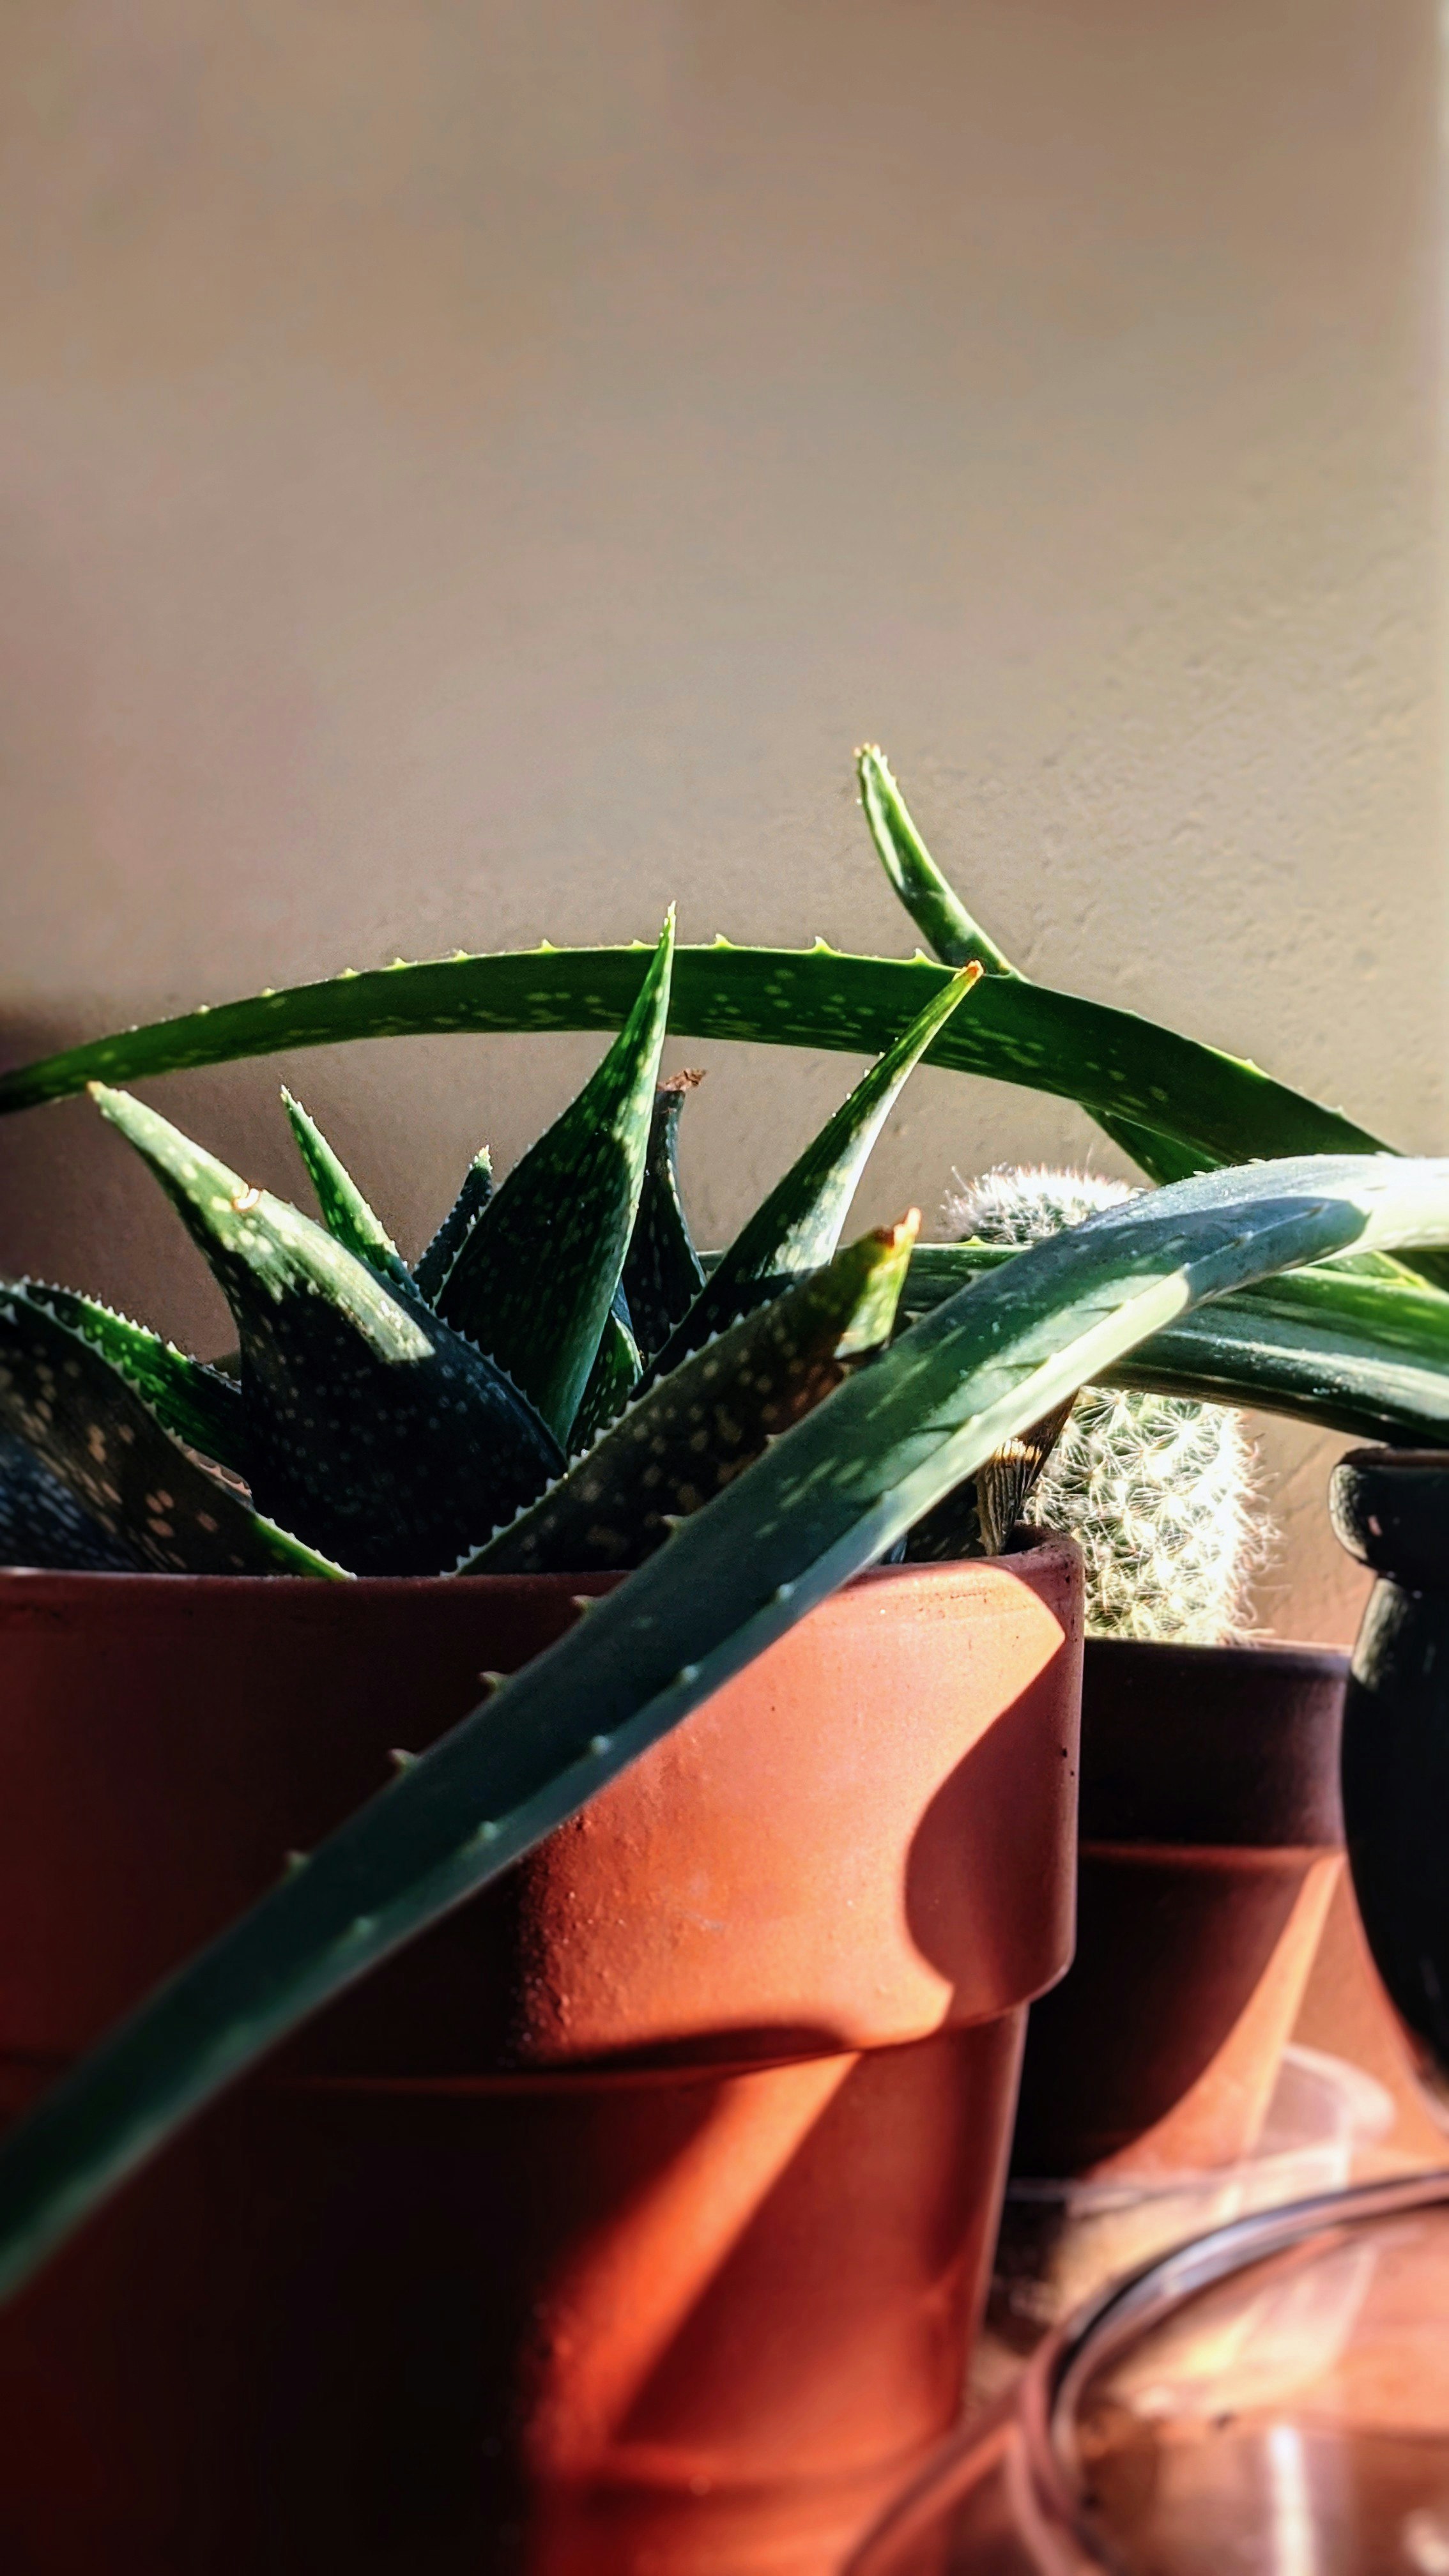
472,472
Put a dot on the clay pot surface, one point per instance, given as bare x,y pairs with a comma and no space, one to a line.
638,2215
1210,1846
1391,1509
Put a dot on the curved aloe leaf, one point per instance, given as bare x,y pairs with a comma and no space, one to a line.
1223,1109
1237,1353
826,1501
702,1426
662,1271
798,1226
1380,1372
345,1212
565,1214
369,1426
91,1429
199,1404
933,904
435,1263
956,936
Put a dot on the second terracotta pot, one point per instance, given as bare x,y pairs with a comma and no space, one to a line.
636,2218
1211,1839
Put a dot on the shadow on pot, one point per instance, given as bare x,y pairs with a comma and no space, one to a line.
538,2252
1211,1842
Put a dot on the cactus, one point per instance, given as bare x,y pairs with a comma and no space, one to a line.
1162,1494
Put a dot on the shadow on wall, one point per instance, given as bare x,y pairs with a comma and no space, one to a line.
64,1184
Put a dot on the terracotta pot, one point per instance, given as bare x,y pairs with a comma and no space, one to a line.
636,2218
1210,1847
1391,1509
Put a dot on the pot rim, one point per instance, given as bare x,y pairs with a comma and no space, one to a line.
57,1580
1283,1654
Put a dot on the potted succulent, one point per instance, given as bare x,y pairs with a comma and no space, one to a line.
635,2215
531,2248
1210,1839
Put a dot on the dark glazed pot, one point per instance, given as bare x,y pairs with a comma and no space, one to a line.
636,2217
1391,1510
1210,1844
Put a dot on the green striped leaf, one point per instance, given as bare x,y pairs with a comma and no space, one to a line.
42,1525
954,934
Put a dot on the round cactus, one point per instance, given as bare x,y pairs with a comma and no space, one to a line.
1162,1495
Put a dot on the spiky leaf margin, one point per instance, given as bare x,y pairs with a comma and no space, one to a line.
1221,1108
88,1425
705,1424
369,1425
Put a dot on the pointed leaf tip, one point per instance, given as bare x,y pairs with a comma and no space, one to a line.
566,1212
799,1225
701,1427
370,1428
345,1212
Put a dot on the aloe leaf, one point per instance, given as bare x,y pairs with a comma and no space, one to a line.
698,1429
381,1436
345,1212
662,1273
435,1263
42,1525
826,1501
1378,1372
1221,1108
933,904
613,1377
799,1225
1238,1353
91,1429
957,936
200,1405
563,1217
1390,1312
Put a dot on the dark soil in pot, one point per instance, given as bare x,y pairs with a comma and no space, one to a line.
1210,1845
638,2216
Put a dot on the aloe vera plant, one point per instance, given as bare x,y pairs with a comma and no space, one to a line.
793,1448
385,1421
825,1500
